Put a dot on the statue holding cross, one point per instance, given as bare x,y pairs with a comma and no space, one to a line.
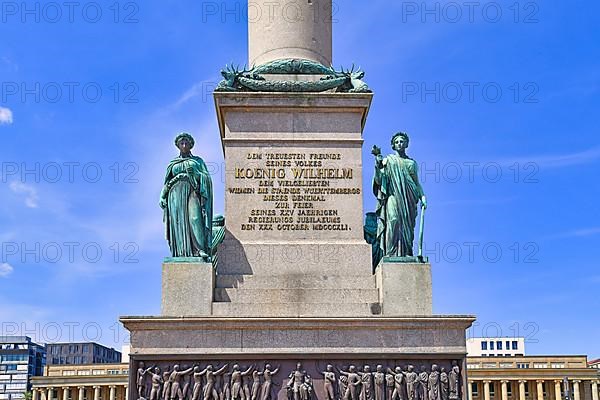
398,191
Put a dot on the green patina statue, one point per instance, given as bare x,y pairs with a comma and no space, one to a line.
370,232
398,191
187,201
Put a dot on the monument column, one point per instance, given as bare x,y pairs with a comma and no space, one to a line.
112,394
50,393
96,392
486,390
470,390
81,395
288,273
283,29
594,390
294,227
35,394
65,393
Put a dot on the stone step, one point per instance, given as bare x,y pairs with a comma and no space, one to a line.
296,295
296,282
295,309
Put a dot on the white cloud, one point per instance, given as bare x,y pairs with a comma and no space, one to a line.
31,195
6,116
10,63
558,160
203,89
5,270
584,232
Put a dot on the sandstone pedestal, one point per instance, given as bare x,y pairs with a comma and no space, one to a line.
294,207
404,288
187,288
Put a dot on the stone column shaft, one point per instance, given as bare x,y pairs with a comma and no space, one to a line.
557,391
96,392
112,393
594,390
284,29
35,394
81,392
470,390
540,390
504,390
576,394
486,390
65,393
521,390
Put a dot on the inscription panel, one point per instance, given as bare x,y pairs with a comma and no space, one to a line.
294,193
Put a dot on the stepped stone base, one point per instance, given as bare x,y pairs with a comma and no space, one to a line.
284,342
296,309
292,281
211,337
396,289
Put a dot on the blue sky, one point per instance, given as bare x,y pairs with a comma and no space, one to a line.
501,101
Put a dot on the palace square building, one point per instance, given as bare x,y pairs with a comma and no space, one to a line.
82,382
532,378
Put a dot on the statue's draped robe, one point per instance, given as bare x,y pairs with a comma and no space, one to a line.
188,215
444,385
370,235
434,386
398,191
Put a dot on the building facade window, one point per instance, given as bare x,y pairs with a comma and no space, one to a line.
474,388
499,345
483,345
515,345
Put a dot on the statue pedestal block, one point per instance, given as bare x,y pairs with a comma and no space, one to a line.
404,288
187,287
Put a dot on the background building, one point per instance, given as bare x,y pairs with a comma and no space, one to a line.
82,382
20,360
594,364
531,378
81,353
496,347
